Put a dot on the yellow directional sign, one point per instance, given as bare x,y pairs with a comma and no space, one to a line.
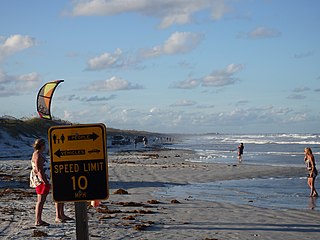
77,142
79,167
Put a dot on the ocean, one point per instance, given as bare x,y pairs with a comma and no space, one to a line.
261,149
265,149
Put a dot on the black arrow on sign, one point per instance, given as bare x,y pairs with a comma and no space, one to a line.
94,151
62,153
77,137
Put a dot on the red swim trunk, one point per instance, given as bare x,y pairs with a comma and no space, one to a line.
43,188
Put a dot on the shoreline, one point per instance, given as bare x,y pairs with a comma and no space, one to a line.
141,214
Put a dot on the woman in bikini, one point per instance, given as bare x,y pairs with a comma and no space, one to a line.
311,166
40,180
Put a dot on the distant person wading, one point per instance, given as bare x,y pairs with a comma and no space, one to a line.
240,151
311,166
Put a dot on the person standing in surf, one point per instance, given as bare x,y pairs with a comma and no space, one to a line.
240,151
311,166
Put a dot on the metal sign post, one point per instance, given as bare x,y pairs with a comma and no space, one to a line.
79,167
81,221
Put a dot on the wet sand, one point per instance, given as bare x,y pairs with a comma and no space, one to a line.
143,214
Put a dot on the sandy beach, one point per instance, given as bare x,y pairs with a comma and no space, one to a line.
144,214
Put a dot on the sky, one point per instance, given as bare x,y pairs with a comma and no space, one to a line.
169,66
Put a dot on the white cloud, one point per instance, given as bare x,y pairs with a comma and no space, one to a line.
113,84
82,116
205,106
181,42
298,118
241,102
18,84
222,77
107,60
98,99
169,11
263,32
296,96
74,97
183,103
301,89
187,84
14,44
178,18
67,115
177,43
218,78
219,9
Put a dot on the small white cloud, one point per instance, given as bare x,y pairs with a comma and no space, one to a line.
181,42
14,44
18,84
154,110
179,18
74,97
187,84
113,84
296,96
219,9
298,118
301,89
67,115
261,33
222,77
218,78
241,102
206,106
106,60
177,43
183,103
98,99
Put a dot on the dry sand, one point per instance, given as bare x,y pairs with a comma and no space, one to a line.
142,214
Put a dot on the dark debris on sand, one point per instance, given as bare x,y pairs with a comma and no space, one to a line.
140,227
153,201
130,217
120,191
129,204
38,233
105,209
17,192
